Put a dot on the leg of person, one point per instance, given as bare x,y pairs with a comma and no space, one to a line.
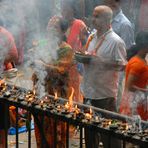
37,136
92,137
2,138
108,104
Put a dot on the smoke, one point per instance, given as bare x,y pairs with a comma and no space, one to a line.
38,57
27,21
137,99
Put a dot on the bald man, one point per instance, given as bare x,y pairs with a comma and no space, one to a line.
100,80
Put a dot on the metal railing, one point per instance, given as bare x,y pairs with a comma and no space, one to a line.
36,110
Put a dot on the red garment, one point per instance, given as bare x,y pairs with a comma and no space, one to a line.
7,43
74,41
139,69
49,132
20,46
74,32
143,15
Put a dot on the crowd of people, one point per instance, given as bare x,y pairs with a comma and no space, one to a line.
116,78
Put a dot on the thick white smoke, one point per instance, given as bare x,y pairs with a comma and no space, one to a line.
31,18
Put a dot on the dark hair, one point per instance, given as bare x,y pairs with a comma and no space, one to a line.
141,43
142,39
132,52
63,26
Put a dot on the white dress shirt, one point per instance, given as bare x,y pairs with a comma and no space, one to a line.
99,79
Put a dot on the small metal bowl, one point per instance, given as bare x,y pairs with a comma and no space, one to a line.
113,127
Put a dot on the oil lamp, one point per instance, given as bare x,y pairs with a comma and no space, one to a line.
58,108
29,100
88,116
96,118
124,126
42,103
55,96
67,106
106,122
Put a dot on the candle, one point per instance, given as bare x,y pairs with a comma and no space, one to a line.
34,92
97,118
67,106
90,110
46,98
55,95
58,108
42,103
71,99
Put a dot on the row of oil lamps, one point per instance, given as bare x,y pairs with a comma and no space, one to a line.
67,108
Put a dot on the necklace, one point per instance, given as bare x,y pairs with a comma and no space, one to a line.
100,41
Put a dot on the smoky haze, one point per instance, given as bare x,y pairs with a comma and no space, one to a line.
31,18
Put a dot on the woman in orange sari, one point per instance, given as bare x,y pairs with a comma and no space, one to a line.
134,101
57,79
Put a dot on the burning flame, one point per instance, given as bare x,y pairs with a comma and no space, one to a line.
30,99
2,81
41,103
67,106
88,116
55,95
97,118
71,97
34,92
90,111
76,107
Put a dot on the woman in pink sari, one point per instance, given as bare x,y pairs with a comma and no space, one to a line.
76,36
8,54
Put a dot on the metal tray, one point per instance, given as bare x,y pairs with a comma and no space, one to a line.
83,58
